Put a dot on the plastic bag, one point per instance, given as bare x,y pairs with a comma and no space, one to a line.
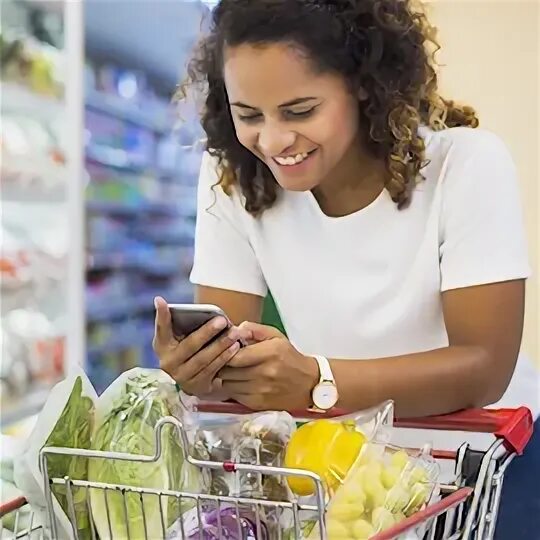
330,447
385,486
226,522
65,421
256,439
126,417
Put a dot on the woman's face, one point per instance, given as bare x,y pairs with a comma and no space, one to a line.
299,122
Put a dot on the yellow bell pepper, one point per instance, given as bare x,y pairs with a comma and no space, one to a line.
325,447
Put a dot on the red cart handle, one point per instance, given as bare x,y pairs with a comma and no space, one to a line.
11,506
514,426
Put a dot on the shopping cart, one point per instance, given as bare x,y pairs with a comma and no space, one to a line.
466,508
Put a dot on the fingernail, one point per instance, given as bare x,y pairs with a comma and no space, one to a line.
234,347
219,323
156,302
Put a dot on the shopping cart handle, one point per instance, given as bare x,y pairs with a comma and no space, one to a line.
10,506
514,426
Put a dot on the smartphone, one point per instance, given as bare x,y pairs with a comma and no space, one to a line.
187,318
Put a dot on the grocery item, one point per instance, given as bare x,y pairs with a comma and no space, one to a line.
126,416
325,447
256,439
66,421
227,522
385,486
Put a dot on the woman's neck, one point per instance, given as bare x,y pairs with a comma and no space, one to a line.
355,182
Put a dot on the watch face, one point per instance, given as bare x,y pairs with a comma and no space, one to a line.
325,395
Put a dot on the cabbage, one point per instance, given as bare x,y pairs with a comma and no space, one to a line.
132,406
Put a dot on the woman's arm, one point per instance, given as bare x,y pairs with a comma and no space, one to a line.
484,326
238,306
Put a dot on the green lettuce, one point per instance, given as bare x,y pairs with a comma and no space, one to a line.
129,427
73,429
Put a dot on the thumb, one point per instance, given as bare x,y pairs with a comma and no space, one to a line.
254,332
163,321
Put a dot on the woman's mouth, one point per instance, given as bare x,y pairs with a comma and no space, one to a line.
294,161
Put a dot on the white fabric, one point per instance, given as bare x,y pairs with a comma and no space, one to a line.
325,370
368,285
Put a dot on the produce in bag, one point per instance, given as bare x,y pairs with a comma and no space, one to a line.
384,486
126,416
325,447
256,439
329,448
65,421
228,522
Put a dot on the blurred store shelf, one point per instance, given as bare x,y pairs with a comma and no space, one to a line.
155,117
17,98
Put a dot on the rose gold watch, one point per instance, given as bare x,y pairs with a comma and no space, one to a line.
325,394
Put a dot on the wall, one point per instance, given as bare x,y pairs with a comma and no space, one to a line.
490,56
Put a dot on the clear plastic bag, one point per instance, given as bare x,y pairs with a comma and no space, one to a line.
65,421
385,485
256,439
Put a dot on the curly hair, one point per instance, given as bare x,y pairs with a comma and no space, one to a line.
384,47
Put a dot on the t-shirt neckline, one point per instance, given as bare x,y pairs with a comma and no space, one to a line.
362,212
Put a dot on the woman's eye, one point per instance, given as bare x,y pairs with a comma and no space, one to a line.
249,117
301,114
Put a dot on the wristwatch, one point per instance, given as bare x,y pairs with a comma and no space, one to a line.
325,394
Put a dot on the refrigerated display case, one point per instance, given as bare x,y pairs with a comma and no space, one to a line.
41,223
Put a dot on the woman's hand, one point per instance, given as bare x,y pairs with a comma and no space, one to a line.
269,373
191,363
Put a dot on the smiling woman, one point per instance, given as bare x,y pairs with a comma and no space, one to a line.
332,159
387,228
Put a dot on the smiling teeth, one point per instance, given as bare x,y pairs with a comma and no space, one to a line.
292,160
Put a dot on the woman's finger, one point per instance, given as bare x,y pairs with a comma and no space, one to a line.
163,331
259,332
250,356
197,341
209,371
238,374
185,362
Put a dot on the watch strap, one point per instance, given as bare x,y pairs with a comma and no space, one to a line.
325,370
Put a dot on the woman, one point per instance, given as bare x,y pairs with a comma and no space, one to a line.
388,230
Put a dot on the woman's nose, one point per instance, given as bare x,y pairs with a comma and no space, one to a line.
273,140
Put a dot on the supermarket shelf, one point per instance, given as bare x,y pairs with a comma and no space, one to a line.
118,163
154,118
132,209
118,261
118,343
19,99
26,405
99,312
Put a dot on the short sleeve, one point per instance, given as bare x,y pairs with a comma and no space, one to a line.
482,232
224,257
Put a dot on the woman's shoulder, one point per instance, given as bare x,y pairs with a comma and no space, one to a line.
462,143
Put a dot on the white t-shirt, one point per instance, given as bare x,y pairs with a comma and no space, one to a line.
368,285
